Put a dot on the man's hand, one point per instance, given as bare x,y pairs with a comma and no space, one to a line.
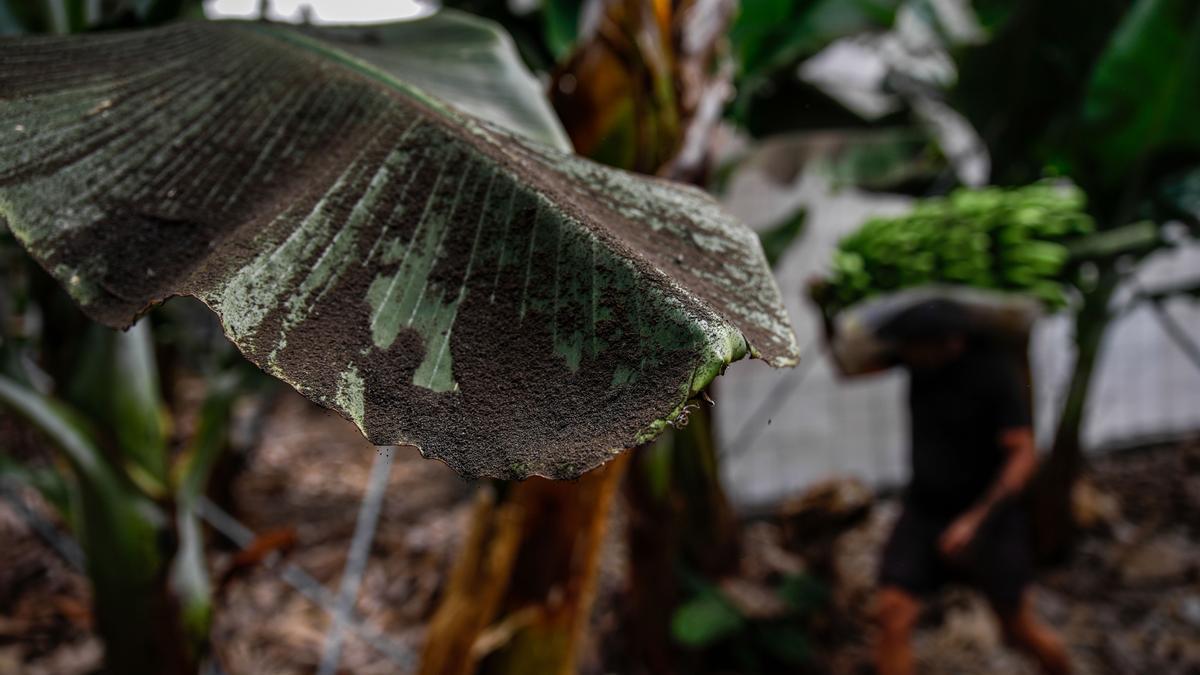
1018,467
957,538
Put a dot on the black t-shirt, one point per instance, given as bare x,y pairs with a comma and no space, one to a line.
959,412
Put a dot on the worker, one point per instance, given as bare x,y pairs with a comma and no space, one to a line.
972,453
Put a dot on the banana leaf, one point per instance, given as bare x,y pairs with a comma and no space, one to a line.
468,63
506,307
113,384
1144,91
189,570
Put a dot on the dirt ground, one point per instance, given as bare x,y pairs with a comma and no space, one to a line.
1128,601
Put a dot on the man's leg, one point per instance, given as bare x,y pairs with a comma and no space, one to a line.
896,612
1024,630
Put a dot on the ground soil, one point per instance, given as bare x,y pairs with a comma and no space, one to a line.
1128,600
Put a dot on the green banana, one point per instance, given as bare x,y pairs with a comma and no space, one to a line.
1008,239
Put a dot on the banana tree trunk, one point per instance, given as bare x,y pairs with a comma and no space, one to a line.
1051,496
521,592
475,588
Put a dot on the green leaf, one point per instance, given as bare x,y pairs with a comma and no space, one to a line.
508,308
705,620
560,19
1145,89
120,530
140,417
115,384
212,434
465,61
189,570
64,428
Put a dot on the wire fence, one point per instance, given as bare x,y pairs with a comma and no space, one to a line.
338,606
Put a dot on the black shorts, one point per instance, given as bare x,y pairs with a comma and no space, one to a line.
998,563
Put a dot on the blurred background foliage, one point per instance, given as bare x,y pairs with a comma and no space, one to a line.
124,480
21,17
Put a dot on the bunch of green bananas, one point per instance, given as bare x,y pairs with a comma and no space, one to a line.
1004,239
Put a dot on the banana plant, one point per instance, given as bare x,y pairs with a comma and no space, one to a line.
115,485
121,491
143,567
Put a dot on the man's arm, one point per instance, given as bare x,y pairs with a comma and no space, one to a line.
1019,465
1018,468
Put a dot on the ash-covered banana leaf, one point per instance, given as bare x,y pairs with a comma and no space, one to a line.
506,307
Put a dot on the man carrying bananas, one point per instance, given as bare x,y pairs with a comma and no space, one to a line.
972,455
